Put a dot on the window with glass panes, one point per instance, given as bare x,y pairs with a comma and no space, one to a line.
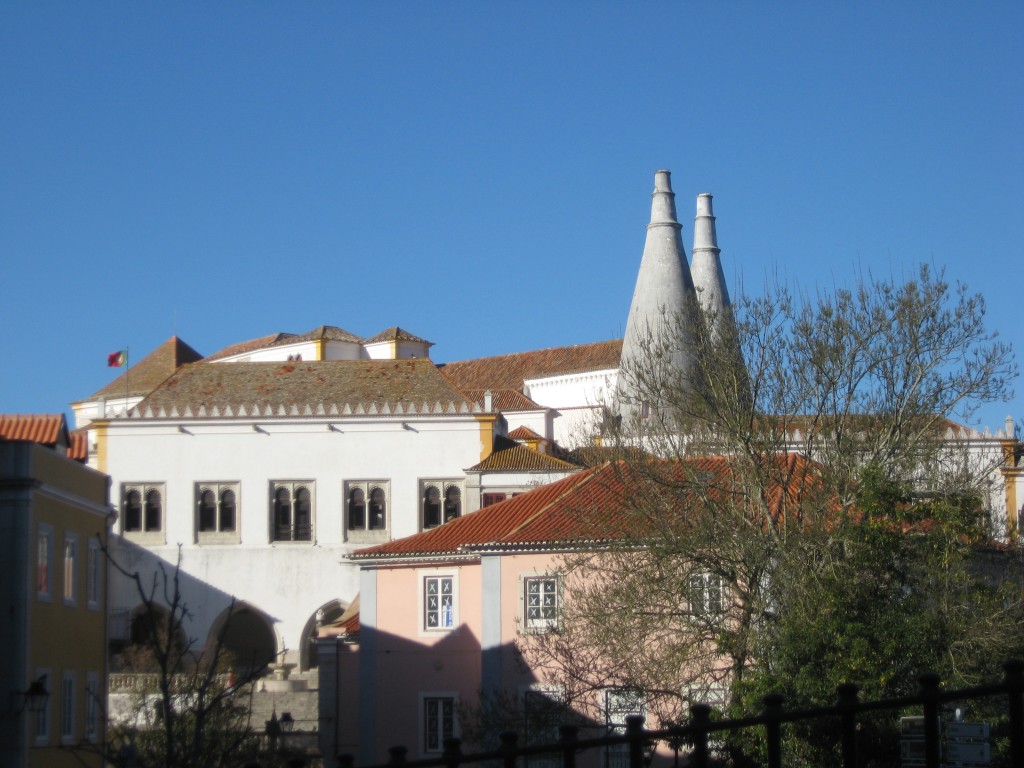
438,602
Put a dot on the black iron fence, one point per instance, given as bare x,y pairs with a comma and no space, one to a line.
637,742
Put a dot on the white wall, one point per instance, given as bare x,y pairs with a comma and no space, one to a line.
288,581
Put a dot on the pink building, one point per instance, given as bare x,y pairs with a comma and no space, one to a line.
440,615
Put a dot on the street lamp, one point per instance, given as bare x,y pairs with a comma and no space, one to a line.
34,698
287,722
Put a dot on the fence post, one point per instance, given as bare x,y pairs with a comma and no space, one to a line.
635,734
700,716
773,728
567,738
1014,669
929,693
847,705
509,742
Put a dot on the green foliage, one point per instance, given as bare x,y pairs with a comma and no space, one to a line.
905,594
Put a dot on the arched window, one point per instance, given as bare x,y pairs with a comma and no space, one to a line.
452,503
153,511
133,511
217,520
228,506
142,510
292,511
303,515
356,509
431,507
367,507
378,509
282,514
207,511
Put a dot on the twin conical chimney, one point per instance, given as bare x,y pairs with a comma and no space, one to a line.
658,343
659,351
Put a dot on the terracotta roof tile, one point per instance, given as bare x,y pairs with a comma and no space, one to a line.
79,447
411,382
522,458
328,332
248,346
481,527
509,371
524,433
146,374
584,507
394,333
46,429
504,399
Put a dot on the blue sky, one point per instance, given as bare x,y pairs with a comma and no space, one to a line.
479,172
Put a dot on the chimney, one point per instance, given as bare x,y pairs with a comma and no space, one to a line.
657,330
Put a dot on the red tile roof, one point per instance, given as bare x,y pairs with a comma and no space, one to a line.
150,371
394,333
509,371
522,458
79,447
584,508
411,382
504,399
524,433
249,346
328,332
46,429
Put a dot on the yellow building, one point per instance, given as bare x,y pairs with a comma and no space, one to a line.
53,528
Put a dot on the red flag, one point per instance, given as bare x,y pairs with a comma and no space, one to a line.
117,359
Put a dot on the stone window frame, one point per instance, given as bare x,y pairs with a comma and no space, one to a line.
146,532
218,535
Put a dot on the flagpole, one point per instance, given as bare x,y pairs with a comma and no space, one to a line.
127,376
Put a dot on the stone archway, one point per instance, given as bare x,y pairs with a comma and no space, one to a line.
147,632
247,638
327,613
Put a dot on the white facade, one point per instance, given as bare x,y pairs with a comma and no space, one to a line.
287,581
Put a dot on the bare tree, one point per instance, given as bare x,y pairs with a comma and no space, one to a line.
815,430
190,707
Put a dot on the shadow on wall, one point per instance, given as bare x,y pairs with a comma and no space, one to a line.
426,691
248,634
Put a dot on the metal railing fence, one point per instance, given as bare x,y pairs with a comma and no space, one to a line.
700,728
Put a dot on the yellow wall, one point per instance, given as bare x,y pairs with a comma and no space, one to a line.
66,636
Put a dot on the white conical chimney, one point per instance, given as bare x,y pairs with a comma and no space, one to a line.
658,340
708,278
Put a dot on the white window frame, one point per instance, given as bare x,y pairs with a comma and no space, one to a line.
539,625
711,589
218,536
44,551
442,485
615,722
69,568
441,697
68,680
367,487
92,706
143,536
292,486
424,577
93,576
